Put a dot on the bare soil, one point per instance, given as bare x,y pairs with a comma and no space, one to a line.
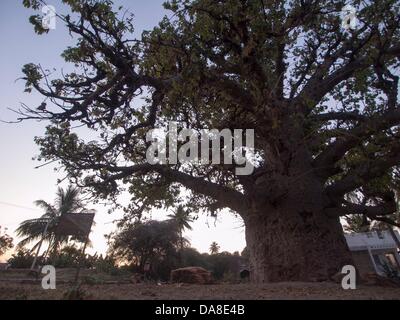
278,291
16,285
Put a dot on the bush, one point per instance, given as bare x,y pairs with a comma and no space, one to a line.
64,261
23,259
224,266
150,242
107,265
224,263
192,258
161,270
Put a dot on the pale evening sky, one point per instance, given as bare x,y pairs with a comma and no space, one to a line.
20,183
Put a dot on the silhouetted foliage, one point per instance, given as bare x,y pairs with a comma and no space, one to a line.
67,202
22,259
151,242
323,102
365,223
6,242
192,258
67,257
214,248
224,265
183,219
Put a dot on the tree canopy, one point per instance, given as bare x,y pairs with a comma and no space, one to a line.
323,101
6,242
274,66
214,248
152,242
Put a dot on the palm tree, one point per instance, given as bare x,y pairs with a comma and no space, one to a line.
214,248
43,229
182,219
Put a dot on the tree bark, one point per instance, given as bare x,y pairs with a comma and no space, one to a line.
291,243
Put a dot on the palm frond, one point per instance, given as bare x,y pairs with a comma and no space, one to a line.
67,202
50,211
32,227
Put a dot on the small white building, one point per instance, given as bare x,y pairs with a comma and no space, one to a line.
374,252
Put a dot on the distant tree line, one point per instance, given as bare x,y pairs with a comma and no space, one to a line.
6,241
148,247
161,246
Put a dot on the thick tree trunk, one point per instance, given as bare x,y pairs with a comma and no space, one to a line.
290,243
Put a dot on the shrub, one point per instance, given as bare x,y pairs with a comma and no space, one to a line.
107,265
23,259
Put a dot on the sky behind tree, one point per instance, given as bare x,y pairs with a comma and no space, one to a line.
21,184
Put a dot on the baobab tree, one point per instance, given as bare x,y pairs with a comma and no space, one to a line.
322,99
363,223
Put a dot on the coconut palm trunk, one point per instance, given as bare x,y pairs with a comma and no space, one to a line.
182,218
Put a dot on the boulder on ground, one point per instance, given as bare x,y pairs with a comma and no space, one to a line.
192,275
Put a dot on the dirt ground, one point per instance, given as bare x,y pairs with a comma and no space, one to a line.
279,291
16,285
